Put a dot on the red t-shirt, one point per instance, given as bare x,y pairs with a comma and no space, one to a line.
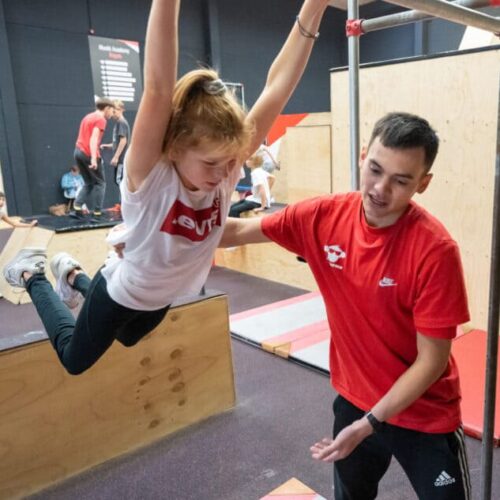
381,286
86,126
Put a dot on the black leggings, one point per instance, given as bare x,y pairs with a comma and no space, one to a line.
79,344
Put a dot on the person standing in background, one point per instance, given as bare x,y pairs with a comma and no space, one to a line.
121,139
88,159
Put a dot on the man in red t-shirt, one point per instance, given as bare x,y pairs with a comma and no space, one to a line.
88,158
392,282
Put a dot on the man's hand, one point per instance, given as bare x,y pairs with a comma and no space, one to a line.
33,223
93,163
330,450
114,161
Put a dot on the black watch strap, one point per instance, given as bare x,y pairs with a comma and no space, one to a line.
374,422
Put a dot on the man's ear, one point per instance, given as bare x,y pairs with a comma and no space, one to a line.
424,183
362,155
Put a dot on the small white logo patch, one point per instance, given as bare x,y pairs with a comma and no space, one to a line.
387,282
333,254
444,479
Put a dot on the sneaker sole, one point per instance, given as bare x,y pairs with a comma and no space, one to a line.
22,254
27,252
75,301
54,263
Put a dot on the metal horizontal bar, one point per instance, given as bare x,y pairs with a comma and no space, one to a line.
411,16
452,12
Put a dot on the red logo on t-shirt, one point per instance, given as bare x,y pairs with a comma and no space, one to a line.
195,225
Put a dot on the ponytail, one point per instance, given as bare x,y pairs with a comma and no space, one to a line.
205,110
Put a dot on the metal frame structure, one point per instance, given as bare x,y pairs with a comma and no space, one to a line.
237,87
459,11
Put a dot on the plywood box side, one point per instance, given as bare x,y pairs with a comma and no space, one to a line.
55,425
458,95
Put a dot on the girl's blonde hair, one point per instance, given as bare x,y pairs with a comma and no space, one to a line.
204,110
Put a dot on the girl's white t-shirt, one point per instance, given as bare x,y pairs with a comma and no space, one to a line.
260,178
170,236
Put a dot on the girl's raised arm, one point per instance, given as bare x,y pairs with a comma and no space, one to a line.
160,75
286,70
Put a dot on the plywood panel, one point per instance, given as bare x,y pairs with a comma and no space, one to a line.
308,161
88,247
315,119
268,261
280,187
294,147
459,96
55,425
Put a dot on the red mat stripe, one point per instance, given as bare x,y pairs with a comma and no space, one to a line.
298,334
299,339
316,338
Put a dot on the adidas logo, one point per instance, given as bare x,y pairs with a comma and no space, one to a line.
444,479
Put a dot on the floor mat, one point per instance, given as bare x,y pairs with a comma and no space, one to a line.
469,351
67,223
294,328
297,329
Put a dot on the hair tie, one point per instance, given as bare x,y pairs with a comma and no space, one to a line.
214,87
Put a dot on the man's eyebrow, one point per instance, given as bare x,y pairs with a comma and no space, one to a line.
377,164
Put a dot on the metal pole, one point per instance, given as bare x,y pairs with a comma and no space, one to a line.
492,349
353,48
453,12
411,16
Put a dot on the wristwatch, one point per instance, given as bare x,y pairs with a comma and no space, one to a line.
374,421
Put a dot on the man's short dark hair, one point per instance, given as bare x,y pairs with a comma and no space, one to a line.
103,102
404,131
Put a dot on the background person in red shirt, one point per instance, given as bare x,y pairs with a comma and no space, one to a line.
392,282
88,158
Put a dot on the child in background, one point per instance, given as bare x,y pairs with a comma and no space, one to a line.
269,162
71,183
9,220
260,199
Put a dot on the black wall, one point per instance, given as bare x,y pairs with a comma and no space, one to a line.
46,82
51,71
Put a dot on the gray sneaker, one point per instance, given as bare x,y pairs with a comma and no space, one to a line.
61,265
31,260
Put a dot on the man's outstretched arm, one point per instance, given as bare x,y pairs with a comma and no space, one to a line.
242,231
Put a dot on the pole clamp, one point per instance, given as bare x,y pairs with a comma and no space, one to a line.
353,26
